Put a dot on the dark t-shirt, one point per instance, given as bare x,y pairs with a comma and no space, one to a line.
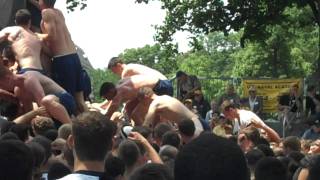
291,101
203,107
310,106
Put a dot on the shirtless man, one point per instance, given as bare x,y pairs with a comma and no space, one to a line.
126,92
66,66
25,44
166,108
31,86
163,85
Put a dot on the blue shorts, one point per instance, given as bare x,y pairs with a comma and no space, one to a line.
67,101
67,72
24,70
87,89
163,87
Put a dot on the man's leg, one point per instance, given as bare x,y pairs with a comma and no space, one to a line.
81,105
55,109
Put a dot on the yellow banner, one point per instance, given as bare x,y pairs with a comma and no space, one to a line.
270,90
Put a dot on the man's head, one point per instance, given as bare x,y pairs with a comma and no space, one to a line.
91,136
270,168
44,4
152,171
181,76
129,153
186,129
294,89
248,138
290,144
252,91
115,65
198,96
16,160
42,124
229,110
108,90
23,18
214,105
200,160
230,89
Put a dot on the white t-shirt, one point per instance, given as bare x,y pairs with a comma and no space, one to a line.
79,177
245,120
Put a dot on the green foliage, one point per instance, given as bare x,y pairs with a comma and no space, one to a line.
162,59
98,77
73,4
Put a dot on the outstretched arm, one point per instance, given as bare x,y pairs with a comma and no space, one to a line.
153,155
27,117
258,123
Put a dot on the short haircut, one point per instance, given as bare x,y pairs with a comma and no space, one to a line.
211,157
57,170
226,106
129,152
253,157
23,17
270,168
252,134
171,138
46,144
161,129
51,134
106,87
168,152
113,62
187,127
42,124
16,161
267,151
143,130
49,3
292,143
21,130
93,135
9,136
38,153
152,171
145,92
180,73
64,131
114,166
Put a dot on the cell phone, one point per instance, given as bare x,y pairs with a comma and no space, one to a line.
125,131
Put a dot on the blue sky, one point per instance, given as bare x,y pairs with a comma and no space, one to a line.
108,27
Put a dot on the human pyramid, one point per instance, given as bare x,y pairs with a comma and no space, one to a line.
71,138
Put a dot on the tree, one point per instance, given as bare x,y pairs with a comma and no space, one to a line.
73,4
254,16
162,59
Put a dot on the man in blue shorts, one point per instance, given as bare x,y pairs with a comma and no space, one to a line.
163,85
66,66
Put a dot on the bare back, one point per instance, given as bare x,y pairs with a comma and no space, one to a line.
59,38
26,46
128,88
171,109
138,69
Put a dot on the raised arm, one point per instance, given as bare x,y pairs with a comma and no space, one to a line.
48,25
27,117
153,155
258,123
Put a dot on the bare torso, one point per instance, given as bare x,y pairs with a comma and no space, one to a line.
171,109
138,69
60,41
128,88
27,47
